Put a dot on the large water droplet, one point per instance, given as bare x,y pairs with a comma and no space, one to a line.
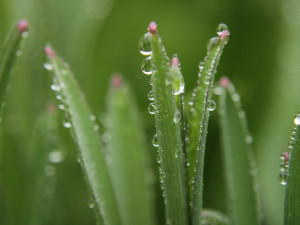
211,43
146,66
211,105
145,44
297,120
67,124
152,108
176,77
155,141
150,95
48,66
221,27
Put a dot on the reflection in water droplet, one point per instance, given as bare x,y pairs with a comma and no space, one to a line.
297,120
221,27
155,141
211,105
284,165
48,66
150,95
146,66
176,118
55,157
152,108
145,44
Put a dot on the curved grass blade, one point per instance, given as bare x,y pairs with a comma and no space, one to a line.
210,216
167,119
240,171
127,154
292,194
198,119
93,158
8,56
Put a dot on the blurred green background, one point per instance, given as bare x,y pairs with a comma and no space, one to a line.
98,38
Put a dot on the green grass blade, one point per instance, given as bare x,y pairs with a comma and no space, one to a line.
292,195
198,119
93,158
238,157
170,151
8,56
210,216
127,153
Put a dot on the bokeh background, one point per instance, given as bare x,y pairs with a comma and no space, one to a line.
100,37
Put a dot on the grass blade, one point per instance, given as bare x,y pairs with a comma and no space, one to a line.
292,195
198,120
8,56
210,216
127,153
239,162
170,151
93,158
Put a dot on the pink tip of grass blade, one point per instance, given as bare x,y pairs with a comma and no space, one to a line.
22,26
224,82
116,81
224,34
286,157
175,62
152,28
49,52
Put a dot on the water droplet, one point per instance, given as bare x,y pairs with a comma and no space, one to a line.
221,27
176,155
284,165
206,80
152,108
201,66
211,105
297,120
145,44
93,118
290,144
212,43
61,106
91,205
176,118
25,34
58,97
67,124
155,141
55,87
150,95
146,66
218,90
248,139
106,137
48,66
55,157
96,127
19,53
49,171
235,97
293,135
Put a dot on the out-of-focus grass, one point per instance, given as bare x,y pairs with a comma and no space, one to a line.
260,59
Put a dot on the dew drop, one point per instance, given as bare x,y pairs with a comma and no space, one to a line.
297,120
55,157
67,124
284,165
19,53
235,97
58,97
146,66
212,43
48,66
152,108
176,118
206,80
221,27
49,171
248,139
55,87
61,106
145,44
201,66
93,118
25,34
96,127
155,141
293,135
150,95
290,145
91,205
218,90
211,105
106,137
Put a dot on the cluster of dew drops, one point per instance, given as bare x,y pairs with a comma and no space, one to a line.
285,156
